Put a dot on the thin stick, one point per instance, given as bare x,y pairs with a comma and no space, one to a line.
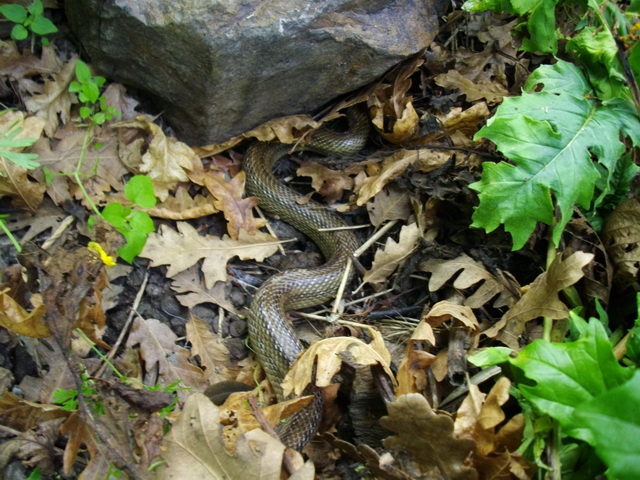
374,238
269,229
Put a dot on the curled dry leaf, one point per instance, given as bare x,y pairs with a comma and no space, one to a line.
412,373
16,319
182,206
428,437
327,353
208,346
329,183
469,273
387,259
166,160
184,248
541,299
195,449
493,92
391,203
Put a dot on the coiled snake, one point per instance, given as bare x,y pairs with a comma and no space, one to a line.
272,338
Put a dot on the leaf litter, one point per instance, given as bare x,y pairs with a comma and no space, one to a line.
142,349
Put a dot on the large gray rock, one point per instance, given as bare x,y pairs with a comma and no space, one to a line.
220,67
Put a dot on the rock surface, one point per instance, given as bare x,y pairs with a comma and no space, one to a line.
221,67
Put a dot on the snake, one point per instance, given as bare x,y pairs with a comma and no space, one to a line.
271,335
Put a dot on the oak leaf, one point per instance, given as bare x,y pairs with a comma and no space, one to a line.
391,203
184,248
159,350
329,183
165,161
621,235
209,347
492,91
182,206
16,319
193,292
541,298
428,437
469,273
393,254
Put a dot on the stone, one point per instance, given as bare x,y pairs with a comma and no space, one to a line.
218,68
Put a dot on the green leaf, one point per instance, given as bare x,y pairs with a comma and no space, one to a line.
139,189
633,342
14,13
136,241
82,72
498,6
141,222
116,215
18,32
491,356
551,136
43,26
36,8
541,25
85,112
598,53
559,378
24,160
613,421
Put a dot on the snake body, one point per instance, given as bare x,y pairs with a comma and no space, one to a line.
271,336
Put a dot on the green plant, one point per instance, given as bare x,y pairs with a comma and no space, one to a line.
577,392
68,399
8,144
30,19
94,108
134,225
35,474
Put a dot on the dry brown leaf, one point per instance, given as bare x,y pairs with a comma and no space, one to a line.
116,96
55,99
22,415
16,319
428,437
101,169
329,183
190,283
214,355
471,273
444,311
80,433
182,206
327,354
159,350
464,121
541,299
493,92
393,166
387,259
195,449
391,203
184,248
166,160
412,373
228,195
621,235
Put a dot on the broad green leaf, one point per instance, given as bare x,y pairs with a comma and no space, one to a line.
559,377
541,25
43,26
491,356
18,32
116,215
139,189
14,13
36,8
550,136
135,243
82,72
482,5
613,421
633,342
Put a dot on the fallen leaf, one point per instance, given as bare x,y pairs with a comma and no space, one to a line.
182,206
469,273
22,415
56,99
193,292
194,448
327,354
209,347
390,203
541,299
158,348
181,250
428,437
16,319
166,160
329,183
493,92
621,235
412,373
387,259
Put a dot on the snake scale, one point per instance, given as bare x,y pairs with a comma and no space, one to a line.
271,335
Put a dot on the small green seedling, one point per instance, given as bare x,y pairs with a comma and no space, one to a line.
68,399
30,19
95,108
134,225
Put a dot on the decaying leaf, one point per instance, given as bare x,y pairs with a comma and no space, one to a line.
621,235
390,203
80,433
16,319
327,354
22,415
165,161
195,449
393,254
428,437
158,348
182,206
470,272
412,372
181,250
208,346
493,92
541,299
329,183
